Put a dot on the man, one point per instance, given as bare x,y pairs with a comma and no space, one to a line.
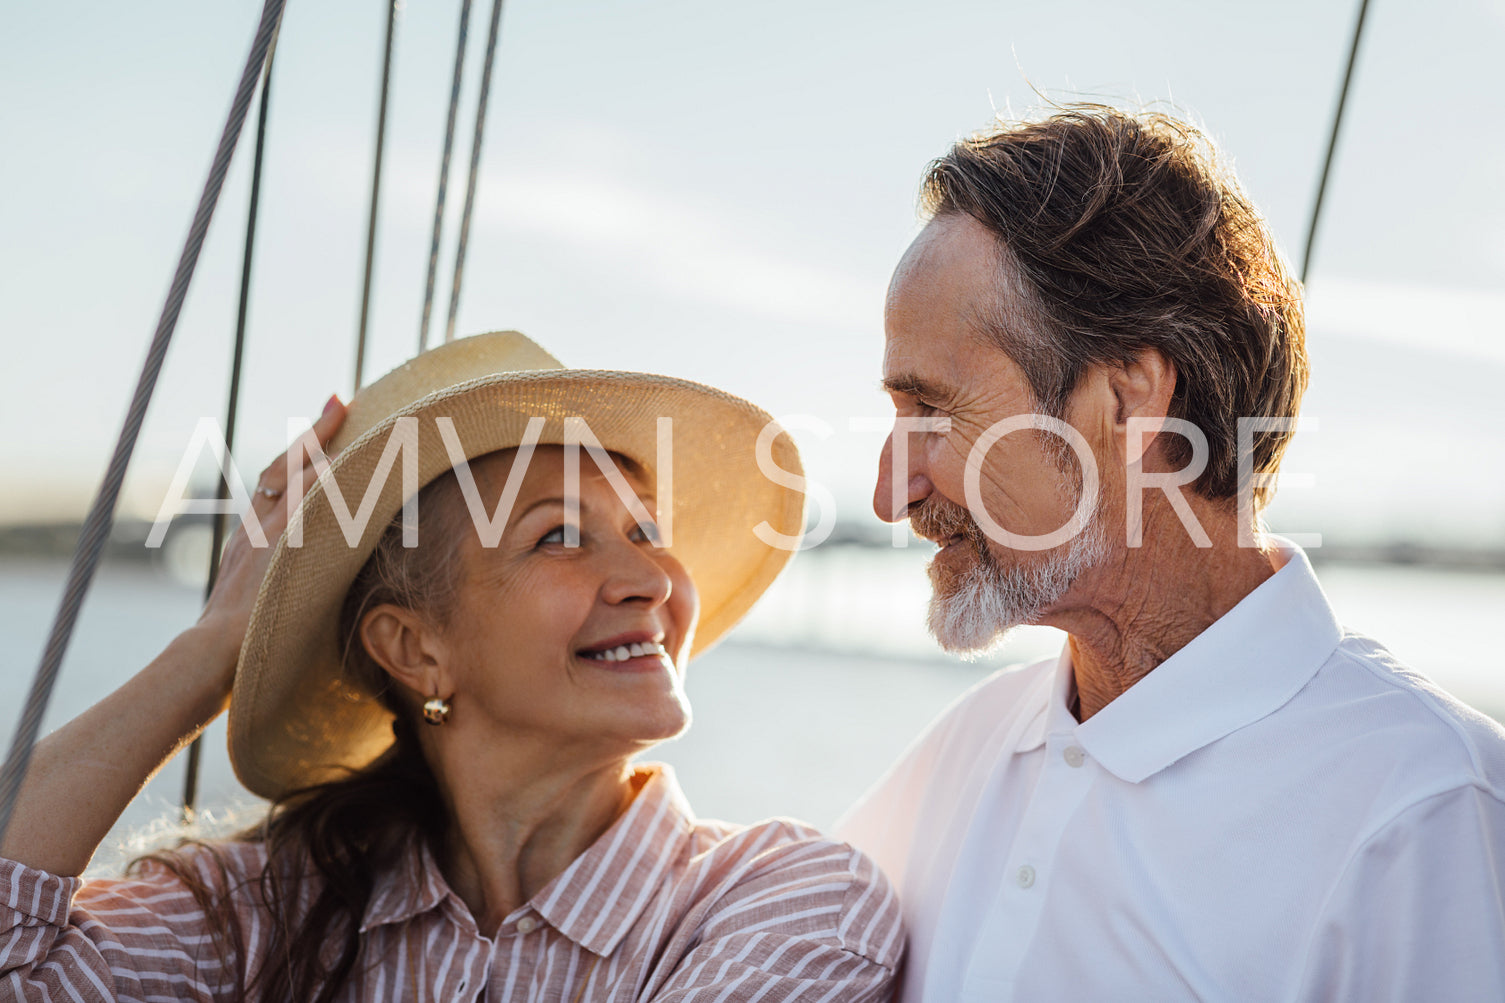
1215,792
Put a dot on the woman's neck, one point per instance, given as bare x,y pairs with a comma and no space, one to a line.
509,838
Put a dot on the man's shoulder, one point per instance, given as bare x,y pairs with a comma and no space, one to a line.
1430,738
924,783
1000,698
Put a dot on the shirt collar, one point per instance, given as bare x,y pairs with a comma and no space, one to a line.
598,898
415,886
1245,666
595,901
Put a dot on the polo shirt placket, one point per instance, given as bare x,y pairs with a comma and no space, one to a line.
1066,775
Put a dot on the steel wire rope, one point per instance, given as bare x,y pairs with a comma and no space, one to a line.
381,140
475,162
449,145
101,517
232,405
1332,142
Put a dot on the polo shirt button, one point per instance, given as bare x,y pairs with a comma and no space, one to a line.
1074,756
1026,876
527,925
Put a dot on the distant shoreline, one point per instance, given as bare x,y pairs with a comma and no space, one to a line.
127,542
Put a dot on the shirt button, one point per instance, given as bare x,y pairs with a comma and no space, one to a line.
1026,876
527,925
1074,756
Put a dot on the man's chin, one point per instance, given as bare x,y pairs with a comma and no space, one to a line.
974,607
970,643
968,613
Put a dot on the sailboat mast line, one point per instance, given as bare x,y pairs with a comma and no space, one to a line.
381,142
449,145
1332,142
475,162
101,518
232,405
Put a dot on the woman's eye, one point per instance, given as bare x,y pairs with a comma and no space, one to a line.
554,536
647,532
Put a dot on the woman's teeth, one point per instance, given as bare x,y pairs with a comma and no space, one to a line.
622,652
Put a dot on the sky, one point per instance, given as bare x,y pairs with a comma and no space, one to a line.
720,192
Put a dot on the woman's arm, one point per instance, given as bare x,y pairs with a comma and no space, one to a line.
84,774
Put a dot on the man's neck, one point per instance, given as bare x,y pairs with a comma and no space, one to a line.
1131,613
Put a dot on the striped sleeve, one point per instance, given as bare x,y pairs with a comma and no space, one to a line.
143,938
810,919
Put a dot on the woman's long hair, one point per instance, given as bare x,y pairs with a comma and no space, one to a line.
327,844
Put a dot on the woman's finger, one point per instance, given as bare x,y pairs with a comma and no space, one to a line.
274,510
273,480
329,419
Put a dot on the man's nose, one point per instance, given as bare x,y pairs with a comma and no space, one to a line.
912,486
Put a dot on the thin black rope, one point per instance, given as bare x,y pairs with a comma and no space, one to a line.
1332,142
381,141
232,406
475,163
449,144
101,518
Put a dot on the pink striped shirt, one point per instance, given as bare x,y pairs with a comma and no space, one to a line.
662,907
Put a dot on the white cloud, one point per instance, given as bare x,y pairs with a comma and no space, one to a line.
703,253
1461,321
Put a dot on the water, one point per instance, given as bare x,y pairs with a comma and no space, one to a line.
795,714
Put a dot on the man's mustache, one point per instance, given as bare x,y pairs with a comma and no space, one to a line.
939,521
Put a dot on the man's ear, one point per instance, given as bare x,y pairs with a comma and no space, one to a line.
1142,390
408,647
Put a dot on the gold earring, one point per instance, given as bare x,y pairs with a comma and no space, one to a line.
436,711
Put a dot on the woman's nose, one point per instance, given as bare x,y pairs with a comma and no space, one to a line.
635,575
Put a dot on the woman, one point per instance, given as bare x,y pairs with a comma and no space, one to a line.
444,729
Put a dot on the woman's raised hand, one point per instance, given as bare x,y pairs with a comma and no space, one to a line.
86,772
244,562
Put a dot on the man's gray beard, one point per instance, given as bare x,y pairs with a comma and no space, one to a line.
973,612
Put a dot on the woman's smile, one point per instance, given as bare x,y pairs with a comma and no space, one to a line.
632,652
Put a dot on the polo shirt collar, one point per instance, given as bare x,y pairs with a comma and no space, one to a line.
1246,665
596,900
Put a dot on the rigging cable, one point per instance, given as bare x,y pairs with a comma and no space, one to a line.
1332,142
381,140
475,162
449,145
101,518
232,406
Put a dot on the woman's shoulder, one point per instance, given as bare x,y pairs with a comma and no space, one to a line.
772,843
145,934
176,885
785,874
225,867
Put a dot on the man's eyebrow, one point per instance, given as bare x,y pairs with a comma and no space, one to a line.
916,386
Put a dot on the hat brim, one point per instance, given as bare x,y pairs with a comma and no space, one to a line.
296,719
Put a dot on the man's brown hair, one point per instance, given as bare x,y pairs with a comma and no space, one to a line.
1122,232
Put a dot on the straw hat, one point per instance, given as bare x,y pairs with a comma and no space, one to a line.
296,719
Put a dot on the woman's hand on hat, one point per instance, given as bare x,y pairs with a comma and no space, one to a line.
84,774
244,561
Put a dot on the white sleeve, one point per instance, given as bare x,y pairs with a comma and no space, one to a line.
1419,912
884,821
933,780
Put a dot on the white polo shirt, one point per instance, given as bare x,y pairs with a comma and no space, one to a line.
1279,811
